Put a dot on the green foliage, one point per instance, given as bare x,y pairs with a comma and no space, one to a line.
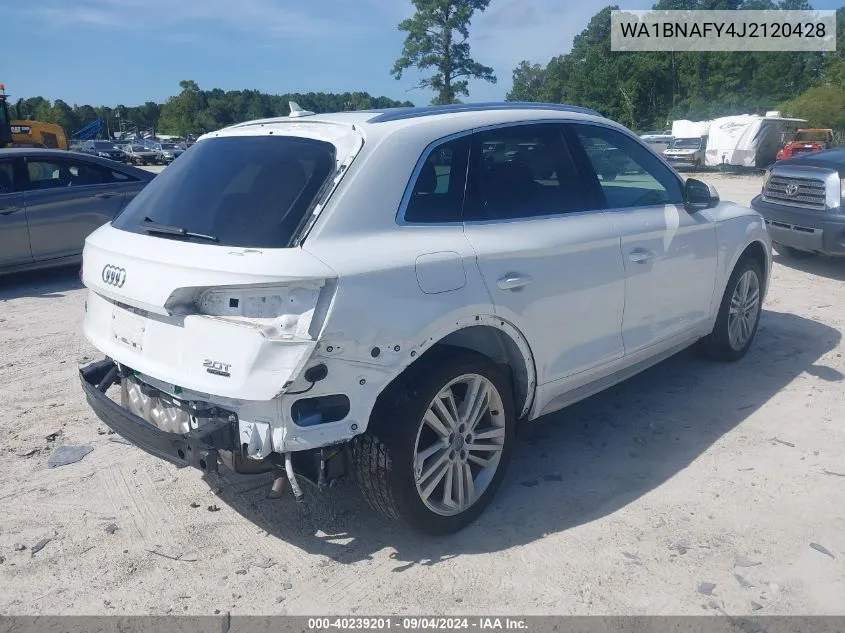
438,38
194,111
649,89
529,82
822,106
834,69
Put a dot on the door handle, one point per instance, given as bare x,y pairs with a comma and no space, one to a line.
105,196
8,210
640,256
513,282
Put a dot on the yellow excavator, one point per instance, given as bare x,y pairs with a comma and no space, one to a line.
22,133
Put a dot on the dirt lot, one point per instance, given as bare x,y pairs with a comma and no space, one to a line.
627,503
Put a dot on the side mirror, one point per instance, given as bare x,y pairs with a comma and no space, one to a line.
699,195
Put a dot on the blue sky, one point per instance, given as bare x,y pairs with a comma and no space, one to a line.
109,52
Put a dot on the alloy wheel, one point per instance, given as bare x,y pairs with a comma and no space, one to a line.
744,308
459,444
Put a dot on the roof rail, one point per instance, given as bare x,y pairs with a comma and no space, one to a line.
400,114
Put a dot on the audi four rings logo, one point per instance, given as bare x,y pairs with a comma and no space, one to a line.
114,276
791,189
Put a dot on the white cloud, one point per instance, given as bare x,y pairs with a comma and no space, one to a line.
515,13
508,32
536,30
159,17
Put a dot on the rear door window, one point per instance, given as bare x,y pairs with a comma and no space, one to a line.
248,191
520,172
52,174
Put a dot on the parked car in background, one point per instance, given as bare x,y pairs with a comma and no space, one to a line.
50,200
240,299
167,152
661,135
659,140
103,149
805,141
686,152
140,155
802,203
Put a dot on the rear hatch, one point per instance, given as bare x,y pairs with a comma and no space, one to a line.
201,282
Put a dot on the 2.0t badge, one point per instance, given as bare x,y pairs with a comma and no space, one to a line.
114,276
217,368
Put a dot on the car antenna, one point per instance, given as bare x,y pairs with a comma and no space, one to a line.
297,111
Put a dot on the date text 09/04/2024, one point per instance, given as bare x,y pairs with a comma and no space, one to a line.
415,623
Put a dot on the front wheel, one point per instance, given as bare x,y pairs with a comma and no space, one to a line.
739,313
438,442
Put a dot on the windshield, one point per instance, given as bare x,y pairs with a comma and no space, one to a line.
809,137
103,145
248,191
168,146
686,143
138,148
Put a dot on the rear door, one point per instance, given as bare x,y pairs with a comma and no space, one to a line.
552,265
66,200
14,236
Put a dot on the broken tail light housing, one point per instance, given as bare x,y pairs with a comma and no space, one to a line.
292,310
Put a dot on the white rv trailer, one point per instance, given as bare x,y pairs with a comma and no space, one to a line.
748,140
690,129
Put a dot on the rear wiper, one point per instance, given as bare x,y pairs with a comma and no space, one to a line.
165,229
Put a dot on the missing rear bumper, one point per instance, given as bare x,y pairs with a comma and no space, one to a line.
198,448
213,441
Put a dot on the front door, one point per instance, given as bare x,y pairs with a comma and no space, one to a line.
552,265
14,236
66,200
670,255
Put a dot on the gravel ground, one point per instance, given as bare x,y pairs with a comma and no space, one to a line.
693,488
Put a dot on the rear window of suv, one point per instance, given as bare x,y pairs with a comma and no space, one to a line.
248,191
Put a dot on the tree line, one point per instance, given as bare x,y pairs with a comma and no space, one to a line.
648,89
194,111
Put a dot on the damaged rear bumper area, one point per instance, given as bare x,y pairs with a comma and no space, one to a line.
200,447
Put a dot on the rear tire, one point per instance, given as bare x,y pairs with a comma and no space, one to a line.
739,314
425,459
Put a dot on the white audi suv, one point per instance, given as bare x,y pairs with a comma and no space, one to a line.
389,293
